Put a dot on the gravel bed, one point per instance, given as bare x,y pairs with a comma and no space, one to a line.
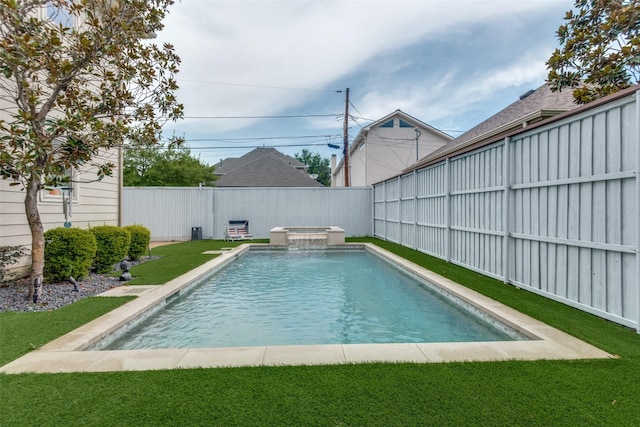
13,297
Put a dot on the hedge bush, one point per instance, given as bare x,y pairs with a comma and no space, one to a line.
68,252
113,246
140,238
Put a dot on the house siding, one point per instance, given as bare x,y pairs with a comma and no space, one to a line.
96,203
380,152
389,151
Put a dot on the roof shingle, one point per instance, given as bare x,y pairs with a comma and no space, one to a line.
540,104
264,168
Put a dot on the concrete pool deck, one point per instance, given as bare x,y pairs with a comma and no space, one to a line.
66,354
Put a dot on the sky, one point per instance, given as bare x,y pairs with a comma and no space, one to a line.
274,73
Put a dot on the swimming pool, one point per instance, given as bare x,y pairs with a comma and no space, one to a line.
68,353
312,297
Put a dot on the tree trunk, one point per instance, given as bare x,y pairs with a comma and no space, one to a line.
37,238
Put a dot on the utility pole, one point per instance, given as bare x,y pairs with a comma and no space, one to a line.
346,140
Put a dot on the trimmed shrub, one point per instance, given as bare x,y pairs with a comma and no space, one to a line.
68,252
113,246
140,238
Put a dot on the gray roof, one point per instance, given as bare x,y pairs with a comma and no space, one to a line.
228,165
536,106
268,169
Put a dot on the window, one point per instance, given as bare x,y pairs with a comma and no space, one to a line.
56,194
388,124
404,124
59,16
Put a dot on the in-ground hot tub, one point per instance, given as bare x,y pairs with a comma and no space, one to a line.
304,236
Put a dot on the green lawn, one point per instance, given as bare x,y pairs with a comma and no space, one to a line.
541,393
21,332
177,259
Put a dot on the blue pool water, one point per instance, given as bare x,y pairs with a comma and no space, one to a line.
307,297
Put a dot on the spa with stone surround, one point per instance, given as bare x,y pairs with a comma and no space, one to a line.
303,236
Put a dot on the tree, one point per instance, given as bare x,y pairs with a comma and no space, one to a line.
74,84
316,165
600,49
168,168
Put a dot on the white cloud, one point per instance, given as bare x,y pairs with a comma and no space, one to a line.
238,55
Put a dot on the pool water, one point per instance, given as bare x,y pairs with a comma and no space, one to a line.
308,297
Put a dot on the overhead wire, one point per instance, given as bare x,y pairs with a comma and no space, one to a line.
381,140
293,116
261,138
253,85
187,146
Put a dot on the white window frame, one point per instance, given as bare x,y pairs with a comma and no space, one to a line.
51,195
53,14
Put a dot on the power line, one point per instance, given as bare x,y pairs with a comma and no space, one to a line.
355,119
259,86
295,116
234,147
309,144
260,138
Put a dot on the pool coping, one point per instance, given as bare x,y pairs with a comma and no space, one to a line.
65,354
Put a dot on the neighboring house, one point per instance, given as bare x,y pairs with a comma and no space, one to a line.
263,167
92,202
386,147
532,107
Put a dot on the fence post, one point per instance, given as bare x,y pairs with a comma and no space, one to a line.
415,209
384,205
447,207
373,210
214,231
400,237
506,181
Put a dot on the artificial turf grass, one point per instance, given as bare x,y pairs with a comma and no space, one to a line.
176,259
584,392
21,332
489,393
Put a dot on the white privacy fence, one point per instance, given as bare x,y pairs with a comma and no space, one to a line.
554,210
171,213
